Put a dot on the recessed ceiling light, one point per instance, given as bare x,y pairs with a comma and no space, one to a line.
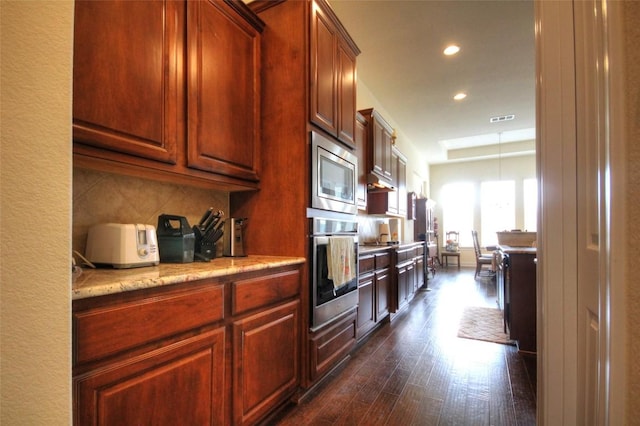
451,50
460,96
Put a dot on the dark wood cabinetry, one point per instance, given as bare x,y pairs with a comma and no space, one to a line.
223,90
333,76
308,83
361,151
379,146
389,165
373,291
331,344
409,274
216,351
517,284
168,90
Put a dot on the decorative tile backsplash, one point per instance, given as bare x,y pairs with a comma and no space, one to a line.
103,197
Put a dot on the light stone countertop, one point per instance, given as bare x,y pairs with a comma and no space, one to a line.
100,282
518,250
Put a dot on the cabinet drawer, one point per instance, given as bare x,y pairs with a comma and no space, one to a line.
261,291
108,330
403,255
383,260
366,264
419,250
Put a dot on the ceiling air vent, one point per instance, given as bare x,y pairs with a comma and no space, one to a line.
502,118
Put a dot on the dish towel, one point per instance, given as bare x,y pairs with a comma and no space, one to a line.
341,265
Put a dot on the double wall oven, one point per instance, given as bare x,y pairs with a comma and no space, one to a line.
334,230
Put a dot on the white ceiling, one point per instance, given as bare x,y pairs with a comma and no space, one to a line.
403,66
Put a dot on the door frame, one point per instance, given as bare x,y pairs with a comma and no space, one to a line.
558,393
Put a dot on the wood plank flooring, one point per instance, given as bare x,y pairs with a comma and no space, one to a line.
416,371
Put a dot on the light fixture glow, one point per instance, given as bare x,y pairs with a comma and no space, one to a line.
460,96
451,50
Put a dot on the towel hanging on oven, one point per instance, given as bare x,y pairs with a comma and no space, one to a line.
341,265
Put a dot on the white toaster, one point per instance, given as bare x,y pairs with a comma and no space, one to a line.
122,245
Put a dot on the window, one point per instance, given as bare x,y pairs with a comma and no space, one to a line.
497,209
457,211
530,195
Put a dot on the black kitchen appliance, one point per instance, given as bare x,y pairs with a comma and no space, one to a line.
176,240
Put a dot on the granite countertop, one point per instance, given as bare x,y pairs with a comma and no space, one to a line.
100,282
518,250
371,247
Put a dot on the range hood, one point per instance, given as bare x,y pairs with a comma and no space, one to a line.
377,184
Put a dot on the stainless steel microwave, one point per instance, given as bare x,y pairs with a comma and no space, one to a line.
334,173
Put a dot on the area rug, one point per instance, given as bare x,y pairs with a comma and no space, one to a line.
482,323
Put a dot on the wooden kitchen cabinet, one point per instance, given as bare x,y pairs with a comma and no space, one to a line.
361,154
215,351
181,383
266,361
290,89
333,75
168,90
379,146
373,291
223,90
331,344
409,274
126,80
393,203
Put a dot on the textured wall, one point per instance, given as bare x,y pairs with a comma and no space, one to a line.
36,212
103,197
632,41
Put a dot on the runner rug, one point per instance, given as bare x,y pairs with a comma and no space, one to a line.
482,323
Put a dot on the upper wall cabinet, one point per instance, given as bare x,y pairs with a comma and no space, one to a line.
168,90
333,75
223,90
379,150
126,77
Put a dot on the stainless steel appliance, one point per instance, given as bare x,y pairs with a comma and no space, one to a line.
333,176
329,297
233,242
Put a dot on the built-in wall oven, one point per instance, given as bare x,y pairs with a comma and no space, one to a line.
334,268
334,172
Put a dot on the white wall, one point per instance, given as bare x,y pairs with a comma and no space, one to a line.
510,168
35,212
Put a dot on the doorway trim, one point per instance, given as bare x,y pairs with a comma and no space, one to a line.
558,398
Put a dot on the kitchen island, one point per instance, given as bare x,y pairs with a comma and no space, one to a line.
517,294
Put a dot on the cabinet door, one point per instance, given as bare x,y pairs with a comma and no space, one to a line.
401,192
182,383
383,285
324,72
402,286
392,203
419,273
266,348
223,83
346,94
361,149
127,77
366,318
381,150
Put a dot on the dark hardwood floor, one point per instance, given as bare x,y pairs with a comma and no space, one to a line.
416,371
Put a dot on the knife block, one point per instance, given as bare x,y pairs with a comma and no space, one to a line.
203,250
